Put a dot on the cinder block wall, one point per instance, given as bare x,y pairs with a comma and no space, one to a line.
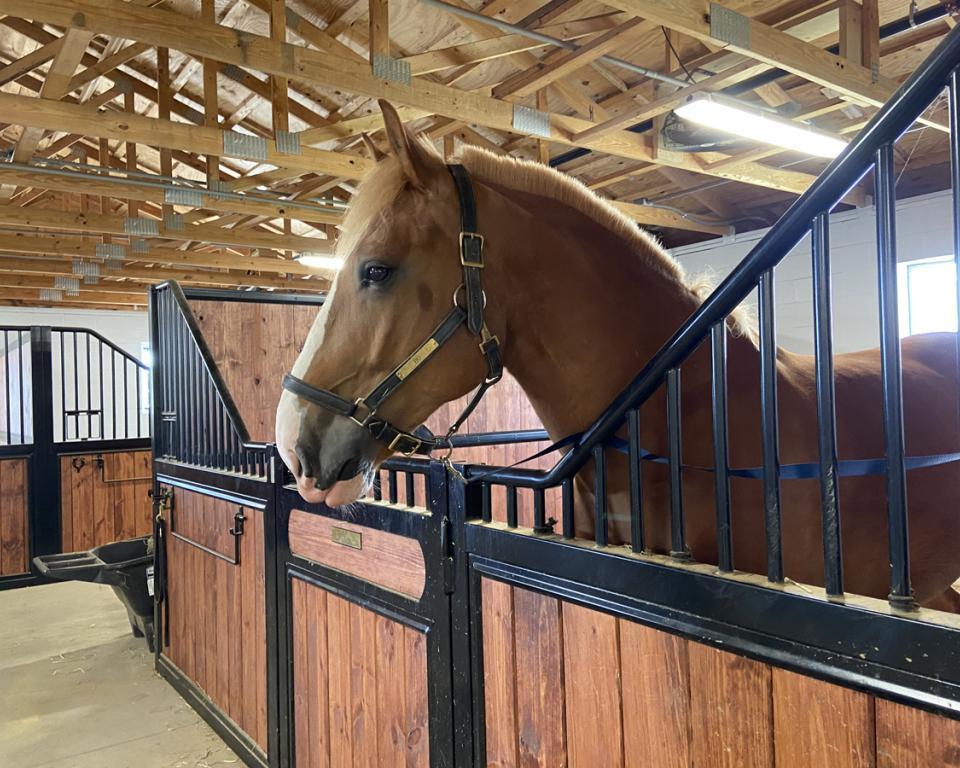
923,231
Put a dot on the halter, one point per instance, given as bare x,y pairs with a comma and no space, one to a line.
363,410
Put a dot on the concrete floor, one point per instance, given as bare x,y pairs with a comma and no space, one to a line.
77,690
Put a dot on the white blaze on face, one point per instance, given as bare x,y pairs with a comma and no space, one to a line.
291,409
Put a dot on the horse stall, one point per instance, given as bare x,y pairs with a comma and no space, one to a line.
74,446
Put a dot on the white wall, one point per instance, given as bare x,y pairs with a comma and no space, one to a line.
923,231
127,330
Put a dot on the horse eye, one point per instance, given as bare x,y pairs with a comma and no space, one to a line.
375,273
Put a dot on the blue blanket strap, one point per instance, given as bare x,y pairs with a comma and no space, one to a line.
805,471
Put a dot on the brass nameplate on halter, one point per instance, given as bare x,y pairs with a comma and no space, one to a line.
352,539
417,358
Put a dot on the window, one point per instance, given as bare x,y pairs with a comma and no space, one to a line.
927,296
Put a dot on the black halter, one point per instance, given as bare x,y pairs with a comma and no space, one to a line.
363,410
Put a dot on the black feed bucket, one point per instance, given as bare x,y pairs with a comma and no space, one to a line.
122,565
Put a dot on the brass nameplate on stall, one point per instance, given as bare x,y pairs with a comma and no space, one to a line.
352,539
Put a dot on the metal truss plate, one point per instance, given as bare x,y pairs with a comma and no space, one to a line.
236,144
173,222
729,26
50,294
139,246
110,251
141,226
288,142
389,68
183,196
67,283
531,121
85,268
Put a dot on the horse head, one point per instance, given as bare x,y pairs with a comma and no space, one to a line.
400,281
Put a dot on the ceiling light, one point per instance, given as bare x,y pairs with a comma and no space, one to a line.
320,261
740,119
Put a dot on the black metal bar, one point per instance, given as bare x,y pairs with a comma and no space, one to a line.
63,386
567,509
6,383
76,388
845,171
540,522
637,542
475,439
886,200
100,378
23,425
377,490
86,336
410,491
721,459
486,513
126,403
392,485
770,437
44,465
113,395
136,373
678,534
600,516
511,507
826,409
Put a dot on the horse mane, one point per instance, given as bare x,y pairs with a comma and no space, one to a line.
386,180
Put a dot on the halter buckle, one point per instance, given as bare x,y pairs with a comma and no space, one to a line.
400,437
358,403
471,249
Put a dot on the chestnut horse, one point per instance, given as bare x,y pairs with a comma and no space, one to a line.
580,299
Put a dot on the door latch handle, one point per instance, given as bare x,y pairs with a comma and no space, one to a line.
238,519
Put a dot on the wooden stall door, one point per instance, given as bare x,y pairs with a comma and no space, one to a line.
14,527
359,685
568,686
104,497
217,620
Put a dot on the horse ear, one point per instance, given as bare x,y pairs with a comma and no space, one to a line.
372,149
414,158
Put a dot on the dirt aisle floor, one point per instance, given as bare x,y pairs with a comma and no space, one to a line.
77,690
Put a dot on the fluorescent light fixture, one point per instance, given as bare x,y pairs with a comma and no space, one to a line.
320,261
734,117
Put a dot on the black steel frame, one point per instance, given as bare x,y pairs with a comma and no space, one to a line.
43,452
830,636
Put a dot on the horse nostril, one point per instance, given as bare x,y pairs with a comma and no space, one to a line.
305,468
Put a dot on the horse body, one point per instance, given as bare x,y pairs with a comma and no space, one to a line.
580,301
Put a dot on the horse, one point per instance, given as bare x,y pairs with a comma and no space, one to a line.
579,298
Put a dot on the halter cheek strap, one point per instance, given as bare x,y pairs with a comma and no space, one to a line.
363,410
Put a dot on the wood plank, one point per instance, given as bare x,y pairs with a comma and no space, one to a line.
338,644
730,710
816,723
13,517
417,753
656,697
260,628
379,28
363,685
911,738
391,685
303,665
538,639
66,512
386,559
499,673
83,501
591,684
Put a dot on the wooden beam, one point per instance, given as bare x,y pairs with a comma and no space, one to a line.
566,62
103,66
279,93
153,274
870,35
159,27
134,299
498,47
81,183
61,116
12,216
31,61
851,31
771,46
379,28
657,217
71,247
130,154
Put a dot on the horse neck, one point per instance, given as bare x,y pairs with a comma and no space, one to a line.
584,307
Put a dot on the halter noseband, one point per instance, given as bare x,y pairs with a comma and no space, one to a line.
363,410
